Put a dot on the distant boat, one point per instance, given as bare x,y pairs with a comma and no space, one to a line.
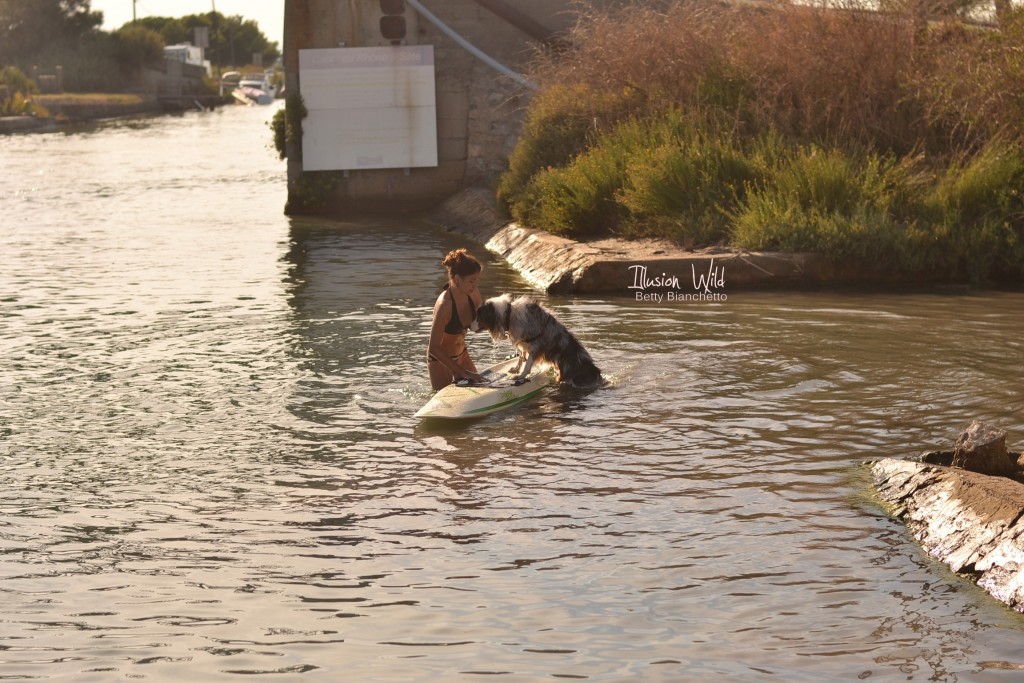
254,89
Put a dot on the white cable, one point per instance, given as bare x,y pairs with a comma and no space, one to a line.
469,47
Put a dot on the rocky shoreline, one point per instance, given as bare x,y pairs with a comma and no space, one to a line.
650,270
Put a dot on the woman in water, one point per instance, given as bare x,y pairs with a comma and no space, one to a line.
447,356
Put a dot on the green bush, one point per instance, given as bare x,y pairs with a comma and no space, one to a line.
686,186
619,184
15,96
886,213
16,81
981,206
857,211
561,124
286,125
577,200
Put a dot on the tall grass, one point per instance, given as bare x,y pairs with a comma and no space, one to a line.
561,123
857,210
685,186
867,136
980,202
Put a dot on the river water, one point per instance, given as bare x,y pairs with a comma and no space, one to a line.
209,466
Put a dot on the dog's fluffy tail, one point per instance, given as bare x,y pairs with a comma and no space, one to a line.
586,375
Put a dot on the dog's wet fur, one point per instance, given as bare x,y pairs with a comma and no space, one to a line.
539,336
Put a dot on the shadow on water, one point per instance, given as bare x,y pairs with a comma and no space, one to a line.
565,400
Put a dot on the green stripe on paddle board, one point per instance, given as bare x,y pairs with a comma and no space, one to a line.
498,406
455,401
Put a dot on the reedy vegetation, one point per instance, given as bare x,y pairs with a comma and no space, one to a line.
16,91
870,137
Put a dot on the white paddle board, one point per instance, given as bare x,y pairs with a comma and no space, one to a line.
473,400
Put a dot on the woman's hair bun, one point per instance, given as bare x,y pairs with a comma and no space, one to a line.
460,262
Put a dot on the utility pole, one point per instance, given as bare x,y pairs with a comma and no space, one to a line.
213,31
133,10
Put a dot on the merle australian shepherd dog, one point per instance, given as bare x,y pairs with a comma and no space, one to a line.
538,336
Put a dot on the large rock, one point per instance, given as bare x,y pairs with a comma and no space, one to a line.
970,521
982,448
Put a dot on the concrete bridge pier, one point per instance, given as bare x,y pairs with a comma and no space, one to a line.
478,110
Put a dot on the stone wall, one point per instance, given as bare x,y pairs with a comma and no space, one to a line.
173,78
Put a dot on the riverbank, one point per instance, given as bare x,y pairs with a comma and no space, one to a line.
653,270
871,148
68,108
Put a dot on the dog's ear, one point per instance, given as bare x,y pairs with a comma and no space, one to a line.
482,317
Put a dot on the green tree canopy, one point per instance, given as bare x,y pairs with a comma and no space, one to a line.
135,47
28,26
66,33
233,39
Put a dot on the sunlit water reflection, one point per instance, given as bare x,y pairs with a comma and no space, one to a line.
210,466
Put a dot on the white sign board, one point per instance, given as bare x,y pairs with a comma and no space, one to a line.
368,107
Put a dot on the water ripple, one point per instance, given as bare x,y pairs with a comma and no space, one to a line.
210,468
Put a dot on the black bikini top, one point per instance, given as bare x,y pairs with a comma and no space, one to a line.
455,325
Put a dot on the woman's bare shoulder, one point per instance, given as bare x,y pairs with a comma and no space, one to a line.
442,301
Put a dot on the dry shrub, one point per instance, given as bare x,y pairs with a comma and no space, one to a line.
832,76
656,54
972,82
809,72
829,74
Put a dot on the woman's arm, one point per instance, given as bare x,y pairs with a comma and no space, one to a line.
442,312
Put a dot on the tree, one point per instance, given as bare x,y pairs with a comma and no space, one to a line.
136,47
173,31
233,40
27,26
